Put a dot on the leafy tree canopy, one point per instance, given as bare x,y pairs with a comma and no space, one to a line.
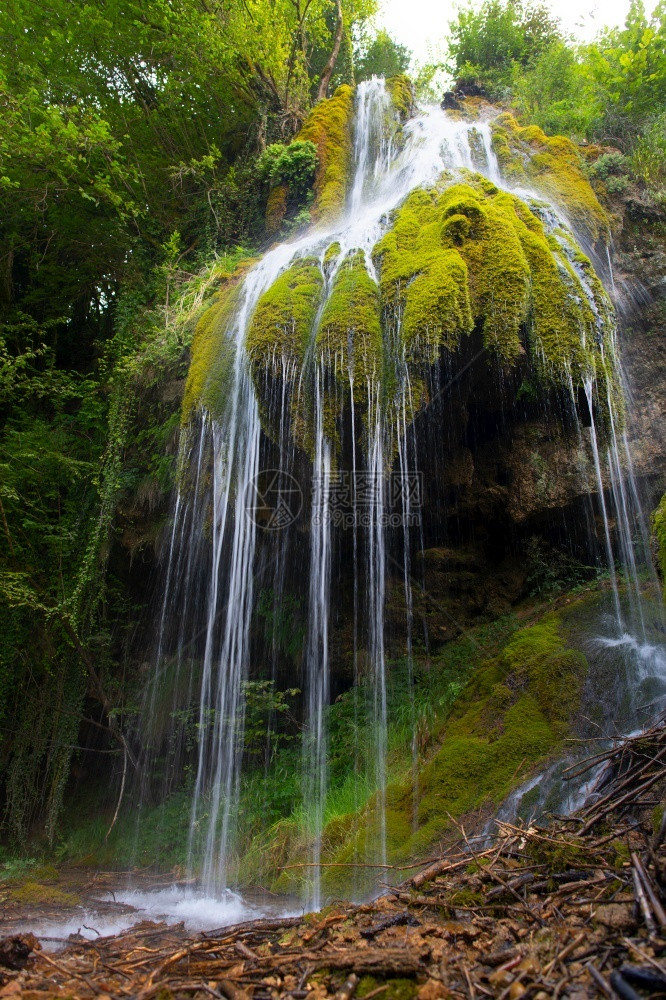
488,41
380,55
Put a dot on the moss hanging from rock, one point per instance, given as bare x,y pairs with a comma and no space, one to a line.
349,338
553,165
659,526
276,208
470,255
330,257
508,721
402,95
285,313
329,128
484,230
212,351
423,280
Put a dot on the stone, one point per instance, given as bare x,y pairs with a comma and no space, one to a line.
616,916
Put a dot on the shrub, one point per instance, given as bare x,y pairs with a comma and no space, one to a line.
648,160
293,165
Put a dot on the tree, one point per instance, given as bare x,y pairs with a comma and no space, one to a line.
130,134
487,42
380,56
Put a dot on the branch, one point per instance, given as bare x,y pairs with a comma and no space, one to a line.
330,65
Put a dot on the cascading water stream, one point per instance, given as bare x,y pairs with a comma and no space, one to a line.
315,744
227,455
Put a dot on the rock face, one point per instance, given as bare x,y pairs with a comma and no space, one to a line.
642,282
512,472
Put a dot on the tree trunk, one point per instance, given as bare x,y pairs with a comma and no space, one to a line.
330,65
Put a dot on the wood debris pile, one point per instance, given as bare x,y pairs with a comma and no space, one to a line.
575,909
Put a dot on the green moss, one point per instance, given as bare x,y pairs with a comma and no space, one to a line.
659,526
553,165
330,257
402,95
561,856
282,322
423,280
466,897
36,894
513,715
349,337
45,873
212,352
276,208
470,255
329,128
392,989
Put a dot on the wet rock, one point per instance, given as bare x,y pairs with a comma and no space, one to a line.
450,102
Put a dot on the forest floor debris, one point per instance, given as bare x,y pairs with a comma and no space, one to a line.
573,909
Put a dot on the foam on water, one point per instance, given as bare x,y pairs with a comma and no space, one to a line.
172,906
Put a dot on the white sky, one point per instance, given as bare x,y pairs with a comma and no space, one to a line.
422,24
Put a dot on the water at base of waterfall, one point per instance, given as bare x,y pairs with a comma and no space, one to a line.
120,908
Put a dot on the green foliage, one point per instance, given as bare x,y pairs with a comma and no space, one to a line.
550,570
648,159
282,616
609,165
264,706
549,93
293,165
86,462
486,42
380,55
119,122
129,134
607,91
613,169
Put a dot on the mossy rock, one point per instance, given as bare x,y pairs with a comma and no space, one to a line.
331,257
402,95
213,352
276,208
511,717
349,337
551,164
472,256
329,127
283,319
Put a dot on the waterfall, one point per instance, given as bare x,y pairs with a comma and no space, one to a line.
218,547
317,656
